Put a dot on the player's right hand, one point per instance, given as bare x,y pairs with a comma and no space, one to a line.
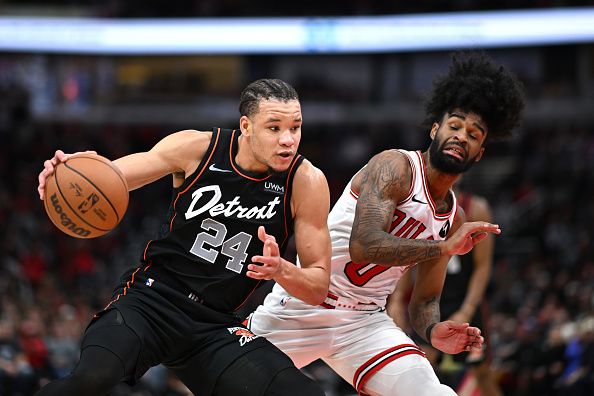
270,264
49,166
467,236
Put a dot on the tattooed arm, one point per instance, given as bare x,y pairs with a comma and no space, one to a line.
447,336
423,308
383,183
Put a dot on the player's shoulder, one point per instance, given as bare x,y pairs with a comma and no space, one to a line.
388,168
311,195
391,155
186,141
183,148
191,137
394,161
310,174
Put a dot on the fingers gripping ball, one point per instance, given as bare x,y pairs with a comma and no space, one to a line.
86,196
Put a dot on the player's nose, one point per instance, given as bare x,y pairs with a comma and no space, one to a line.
286,138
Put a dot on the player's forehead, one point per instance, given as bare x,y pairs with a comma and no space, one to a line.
274,109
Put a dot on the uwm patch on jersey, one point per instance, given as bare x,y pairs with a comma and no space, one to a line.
212,228
415,217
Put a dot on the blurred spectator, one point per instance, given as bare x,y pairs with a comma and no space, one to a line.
34,347
63,342
16,374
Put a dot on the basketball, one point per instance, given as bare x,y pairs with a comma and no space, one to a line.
86,196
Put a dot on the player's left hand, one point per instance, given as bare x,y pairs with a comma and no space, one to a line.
451,337
271,263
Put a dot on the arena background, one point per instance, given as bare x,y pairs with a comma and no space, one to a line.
540,184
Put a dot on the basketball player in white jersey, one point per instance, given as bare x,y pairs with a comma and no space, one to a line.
397,212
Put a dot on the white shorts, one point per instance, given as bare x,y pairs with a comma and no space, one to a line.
365,348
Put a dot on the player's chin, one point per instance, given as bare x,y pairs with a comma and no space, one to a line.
454,161
283,161
277,169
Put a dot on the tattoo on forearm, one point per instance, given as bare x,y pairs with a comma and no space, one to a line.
401,251
379,182
424,314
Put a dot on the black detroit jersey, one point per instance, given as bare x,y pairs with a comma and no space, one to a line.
212,227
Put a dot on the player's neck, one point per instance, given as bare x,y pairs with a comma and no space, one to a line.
245,157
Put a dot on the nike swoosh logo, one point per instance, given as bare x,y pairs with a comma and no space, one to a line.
213,168
414,199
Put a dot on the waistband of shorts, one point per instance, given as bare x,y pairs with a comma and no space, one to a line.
333,301
165,277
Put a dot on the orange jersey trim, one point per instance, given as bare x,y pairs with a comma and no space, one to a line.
124,291
195,179
288,210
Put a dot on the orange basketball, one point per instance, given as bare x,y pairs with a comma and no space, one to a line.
86,196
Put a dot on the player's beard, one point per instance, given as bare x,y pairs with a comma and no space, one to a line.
446,163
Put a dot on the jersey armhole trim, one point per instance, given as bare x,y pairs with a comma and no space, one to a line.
413,178
179,194
287,210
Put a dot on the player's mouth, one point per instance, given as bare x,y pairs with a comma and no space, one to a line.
455,151
286,155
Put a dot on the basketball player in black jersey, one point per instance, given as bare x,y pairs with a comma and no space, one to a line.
234,193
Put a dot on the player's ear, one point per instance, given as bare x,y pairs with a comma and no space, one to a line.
434,129
245,124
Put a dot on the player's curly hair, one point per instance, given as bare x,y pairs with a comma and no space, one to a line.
475,84
264,89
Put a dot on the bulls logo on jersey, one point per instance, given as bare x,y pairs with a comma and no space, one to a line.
444,229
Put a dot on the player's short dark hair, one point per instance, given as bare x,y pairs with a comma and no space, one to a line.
474,84
265,89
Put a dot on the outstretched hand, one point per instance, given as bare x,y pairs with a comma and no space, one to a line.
49,166
452,337
271,262
468,235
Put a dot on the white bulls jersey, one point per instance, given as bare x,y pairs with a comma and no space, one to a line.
350,330
415,217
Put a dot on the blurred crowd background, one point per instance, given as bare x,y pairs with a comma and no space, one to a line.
540,184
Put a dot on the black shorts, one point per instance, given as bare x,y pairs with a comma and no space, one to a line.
150,322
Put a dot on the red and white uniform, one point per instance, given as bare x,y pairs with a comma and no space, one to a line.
350,331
